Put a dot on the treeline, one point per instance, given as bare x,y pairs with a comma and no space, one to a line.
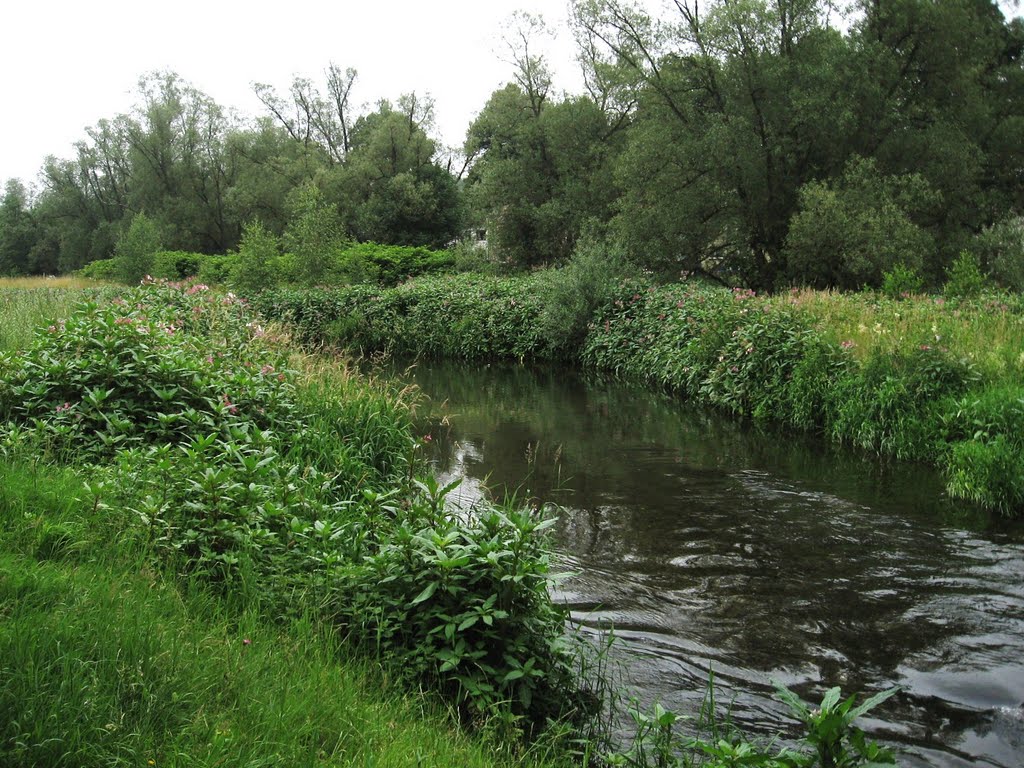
759,143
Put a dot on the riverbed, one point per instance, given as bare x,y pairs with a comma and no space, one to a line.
708,545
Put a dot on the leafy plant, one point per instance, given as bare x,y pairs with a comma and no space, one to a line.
831,731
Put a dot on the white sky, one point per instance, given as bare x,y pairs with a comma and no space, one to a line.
65,65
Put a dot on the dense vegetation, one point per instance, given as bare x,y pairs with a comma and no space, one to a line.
765,144
924,378
206,536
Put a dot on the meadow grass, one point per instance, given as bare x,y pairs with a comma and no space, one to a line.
26,303
988,331
103,661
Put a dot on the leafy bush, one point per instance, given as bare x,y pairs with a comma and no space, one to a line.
848,233
253,269
175,265
101,269
1001,248
217,270
901,281
136,248
299,497
964,278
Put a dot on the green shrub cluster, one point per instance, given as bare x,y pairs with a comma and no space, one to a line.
218,462
770,362
260,264
911,398
465,316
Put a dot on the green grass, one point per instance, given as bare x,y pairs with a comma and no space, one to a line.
988,330
104,661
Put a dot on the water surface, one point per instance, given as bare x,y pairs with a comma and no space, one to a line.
710,544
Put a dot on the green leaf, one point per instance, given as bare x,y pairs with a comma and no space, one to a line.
426,594
873,702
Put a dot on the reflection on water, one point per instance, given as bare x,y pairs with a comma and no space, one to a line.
711,545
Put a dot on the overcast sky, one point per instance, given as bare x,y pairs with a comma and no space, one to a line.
65,65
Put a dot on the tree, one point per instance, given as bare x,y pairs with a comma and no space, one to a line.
314,234
133,254
542,165
848,233
254,271
18,231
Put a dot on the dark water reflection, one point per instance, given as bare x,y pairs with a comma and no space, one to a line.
713,545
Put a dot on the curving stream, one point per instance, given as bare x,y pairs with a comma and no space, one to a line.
714,545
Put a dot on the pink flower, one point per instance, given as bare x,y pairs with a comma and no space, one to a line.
427,438
267,369
847,344
246,641
226,402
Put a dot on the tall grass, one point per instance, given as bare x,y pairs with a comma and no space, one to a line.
104,661
987,330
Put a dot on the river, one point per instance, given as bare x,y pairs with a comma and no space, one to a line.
714,545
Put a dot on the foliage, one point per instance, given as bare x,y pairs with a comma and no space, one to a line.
854,232
467,316
964,278
1001,248
108,663
253,269
314,234
216,465
572,293
101,269
830,739
901,281
175,265
136,249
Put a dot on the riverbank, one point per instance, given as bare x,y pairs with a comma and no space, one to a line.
215,550
173,462
920,378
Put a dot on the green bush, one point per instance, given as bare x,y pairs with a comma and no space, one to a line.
298,498
253,269
101,269
964,279
176,265
217,270
901,281
136,248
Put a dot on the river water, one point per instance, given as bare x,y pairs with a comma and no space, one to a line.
711,545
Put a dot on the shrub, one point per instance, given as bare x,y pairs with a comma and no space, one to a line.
253,269
175,265
964,278
101,269
1001,248
136,248
901,281
217,269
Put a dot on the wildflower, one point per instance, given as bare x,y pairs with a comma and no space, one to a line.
661,316
427,438
246,641
226,402
63,408
123,321
848,344
925,348
267,369
280,377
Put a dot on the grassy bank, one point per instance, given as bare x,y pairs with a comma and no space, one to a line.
215,550
923,378
108,660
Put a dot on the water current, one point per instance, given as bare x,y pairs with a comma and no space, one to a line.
711,545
